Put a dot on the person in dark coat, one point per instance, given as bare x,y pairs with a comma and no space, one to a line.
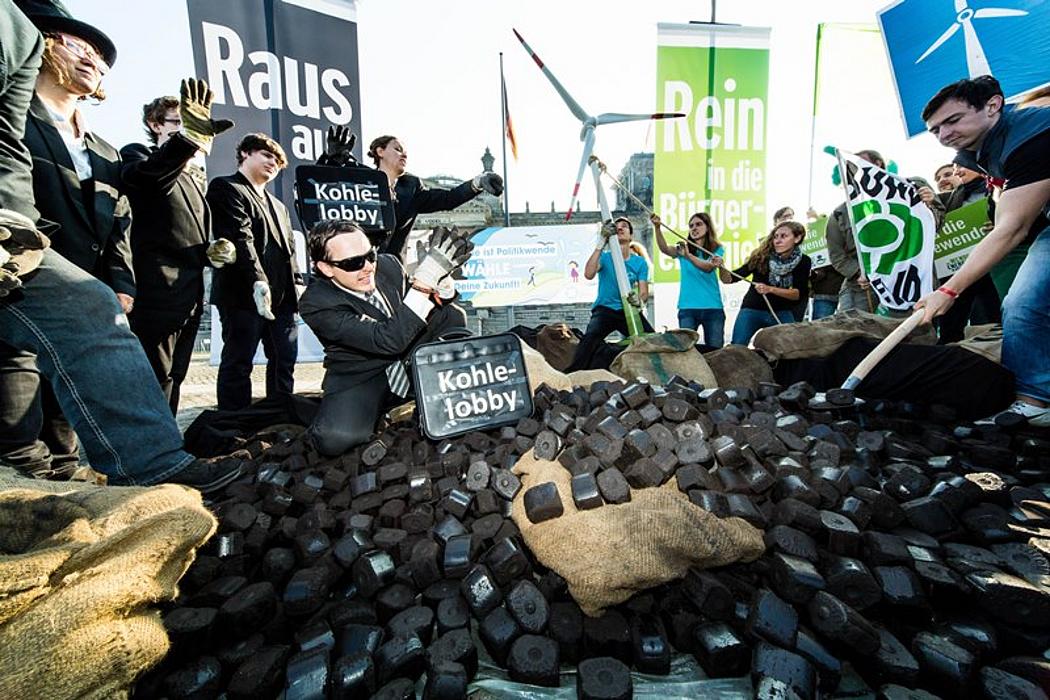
172,230
70,320
76,184
411,197
256,296
369,316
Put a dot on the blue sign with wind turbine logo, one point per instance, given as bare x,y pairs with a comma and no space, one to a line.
932,43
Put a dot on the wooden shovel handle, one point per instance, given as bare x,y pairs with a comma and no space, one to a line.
874,357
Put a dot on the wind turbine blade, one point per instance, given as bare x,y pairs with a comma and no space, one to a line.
960,5
976,61
940,40
588,146
998,12
572,104
614,117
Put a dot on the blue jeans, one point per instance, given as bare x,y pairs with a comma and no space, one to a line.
712,320
1026,323
750,321
822,308
101,377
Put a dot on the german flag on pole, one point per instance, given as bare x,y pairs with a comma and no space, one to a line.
509,125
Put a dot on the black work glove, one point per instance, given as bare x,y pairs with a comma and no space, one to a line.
490,182
339,147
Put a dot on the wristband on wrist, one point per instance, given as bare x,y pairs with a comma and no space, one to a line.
948,291
431,294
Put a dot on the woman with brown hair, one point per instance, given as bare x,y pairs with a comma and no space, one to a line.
699,299
779,272
412,197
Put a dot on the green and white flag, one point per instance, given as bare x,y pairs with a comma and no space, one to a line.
894,231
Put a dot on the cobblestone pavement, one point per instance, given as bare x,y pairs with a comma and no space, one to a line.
198,390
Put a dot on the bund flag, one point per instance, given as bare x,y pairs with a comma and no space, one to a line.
894,231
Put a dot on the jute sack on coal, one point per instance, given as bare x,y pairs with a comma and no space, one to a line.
820,338
541,372
81,567
985,340
609,553
557,344
659,356
737,367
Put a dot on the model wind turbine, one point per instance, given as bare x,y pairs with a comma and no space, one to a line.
976,61
590,123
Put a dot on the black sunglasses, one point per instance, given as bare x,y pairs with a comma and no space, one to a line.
355,263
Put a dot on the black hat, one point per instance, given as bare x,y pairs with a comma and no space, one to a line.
52,16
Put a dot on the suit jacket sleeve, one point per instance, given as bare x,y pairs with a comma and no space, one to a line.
118,250
843,257
231,220
427,200
289,233
342,324
159,169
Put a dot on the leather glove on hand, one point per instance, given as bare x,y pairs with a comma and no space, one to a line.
263,300
490,182
195,98
632,299
221,252
339,146
448,250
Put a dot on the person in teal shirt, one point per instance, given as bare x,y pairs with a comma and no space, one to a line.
699,297
607,313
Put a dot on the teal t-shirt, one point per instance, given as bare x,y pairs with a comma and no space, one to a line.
608,292
699,289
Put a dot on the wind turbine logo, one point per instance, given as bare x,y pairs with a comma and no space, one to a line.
976,61
590,123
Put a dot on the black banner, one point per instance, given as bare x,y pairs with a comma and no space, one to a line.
280,69
357,194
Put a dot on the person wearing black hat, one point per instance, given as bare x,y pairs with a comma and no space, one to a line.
73,323
76,184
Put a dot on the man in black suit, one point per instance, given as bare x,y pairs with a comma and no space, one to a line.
369,316
69,319
256,296
172,229
76,183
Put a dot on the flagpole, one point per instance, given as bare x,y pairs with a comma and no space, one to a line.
813,117
503,140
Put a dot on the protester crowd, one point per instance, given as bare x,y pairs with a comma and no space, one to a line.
104,252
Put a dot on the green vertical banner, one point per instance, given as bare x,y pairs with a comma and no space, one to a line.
713,159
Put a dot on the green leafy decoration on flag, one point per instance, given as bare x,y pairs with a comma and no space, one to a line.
892,237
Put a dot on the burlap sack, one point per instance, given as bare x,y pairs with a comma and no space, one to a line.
541,372
986,341
820,338
736,367
659,356
80,567
608,554
557,344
